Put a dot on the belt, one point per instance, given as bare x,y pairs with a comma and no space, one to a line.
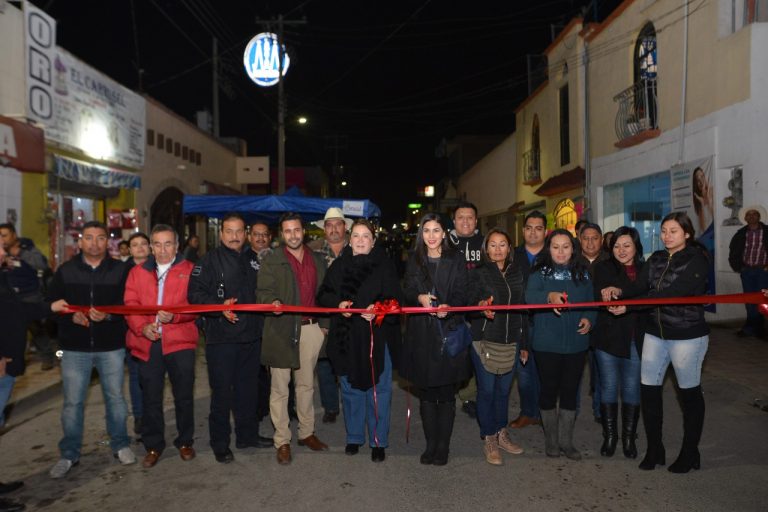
308,321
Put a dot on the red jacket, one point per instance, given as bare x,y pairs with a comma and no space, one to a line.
141,290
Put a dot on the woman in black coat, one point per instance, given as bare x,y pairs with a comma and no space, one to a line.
435,275
618,343
359,277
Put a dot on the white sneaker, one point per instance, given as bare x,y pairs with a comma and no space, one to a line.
126,456
61,468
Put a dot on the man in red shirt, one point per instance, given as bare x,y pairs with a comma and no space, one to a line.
291,343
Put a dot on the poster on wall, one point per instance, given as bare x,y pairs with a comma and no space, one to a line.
693,192
79,106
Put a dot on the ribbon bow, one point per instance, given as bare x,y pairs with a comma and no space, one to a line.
383,308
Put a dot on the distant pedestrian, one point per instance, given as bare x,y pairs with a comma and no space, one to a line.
192,249
749,257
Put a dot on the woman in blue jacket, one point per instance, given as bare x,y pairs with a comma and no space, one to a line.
560,337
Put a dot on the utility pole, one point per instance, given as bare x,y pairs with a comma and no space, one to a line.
215,88
281,107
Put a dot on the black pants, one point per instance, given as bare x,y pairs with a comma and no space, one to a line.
446,393
233,374
180,367
560,375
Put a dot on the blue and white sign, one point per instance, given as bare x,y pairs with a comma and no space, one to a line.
262,59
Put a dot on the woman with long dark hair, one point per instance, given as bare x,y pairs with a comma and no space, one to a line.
359,277
560,337
436,275
674,334
618,341
497,335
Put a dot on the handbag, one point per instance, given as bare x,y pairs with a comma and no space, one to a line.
497,358
456,340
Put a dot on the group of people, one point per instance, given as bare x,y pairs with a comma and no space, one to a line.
271,357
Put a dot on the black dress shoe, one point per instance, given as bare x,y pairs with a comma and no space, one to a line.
330,417
378,455
7,505
352,449
225,457
470,408
260,442
10,487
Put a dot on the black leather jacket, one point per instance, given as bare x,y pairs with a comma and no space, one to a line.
683,274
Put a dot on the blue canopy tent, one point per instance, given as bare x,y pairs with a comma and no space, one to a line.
269,208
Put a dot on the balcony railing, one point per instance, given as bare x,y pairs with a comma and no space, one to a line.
638,109
532,166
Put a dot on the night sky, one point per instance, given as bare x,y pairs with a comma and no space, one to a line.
388,80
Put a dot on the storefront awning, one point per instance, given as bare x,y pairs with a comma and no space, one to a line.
22,146
563,182
91,174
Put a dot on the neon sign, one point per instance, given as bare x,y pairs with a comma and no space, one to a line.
262,59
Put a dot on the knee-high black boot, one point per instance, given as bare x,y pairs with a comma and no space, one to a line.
630,413
693,423
609,417
428,412
446,413
653,418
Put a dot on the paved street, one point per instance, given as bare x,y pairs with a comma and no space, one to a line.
734,474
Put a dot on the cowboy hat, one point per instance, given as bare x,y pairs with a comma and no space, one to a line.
333,213
759,209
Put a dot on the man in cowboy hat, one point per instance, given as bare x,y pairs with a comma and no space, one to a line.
749,256
335,226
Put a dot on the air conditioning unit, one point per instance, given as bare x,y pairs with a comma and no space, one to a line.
252,170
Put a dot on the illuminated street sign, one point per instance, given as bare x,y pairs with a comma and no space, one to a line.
262,57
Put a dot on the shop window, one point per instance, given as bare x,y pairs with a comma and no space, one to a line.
177,149
169,145
150,137
565,215
532,157
640,203
160,141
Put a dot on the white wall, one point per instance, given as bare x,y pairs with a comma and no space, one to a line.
490,183
12,60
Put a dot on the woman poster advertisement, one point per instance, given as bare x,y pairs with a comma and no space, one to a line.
693,192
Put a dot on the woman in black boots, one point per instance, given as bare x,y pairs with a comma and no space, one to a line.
435,275
674,333
617,340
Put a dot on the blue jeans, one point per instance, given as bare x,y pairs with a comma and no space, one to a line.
359,408
528,385
619,373
492,396
6,386
326,381
753,280
686,357
134,386
76,370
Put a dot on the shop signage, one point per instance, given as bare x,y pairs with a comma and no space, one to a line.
89,174
22,146
262,59
77,105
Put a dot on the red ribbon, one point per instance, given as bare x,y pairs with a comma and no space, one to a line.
391,307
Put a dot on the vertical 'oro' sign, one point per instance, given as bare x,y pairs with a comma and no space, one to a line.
262,59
